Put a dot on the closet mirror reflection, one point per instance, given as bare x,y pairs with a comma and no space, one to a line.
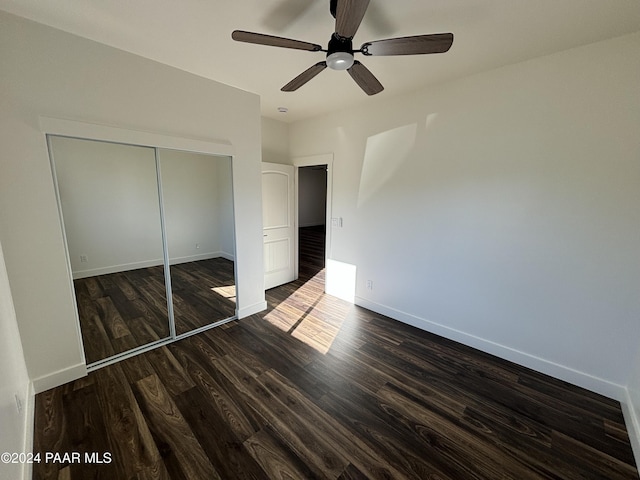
111,212
130,212
198,208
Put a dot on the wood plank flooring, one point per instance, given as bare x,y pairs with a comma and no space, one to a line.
124,310
317,388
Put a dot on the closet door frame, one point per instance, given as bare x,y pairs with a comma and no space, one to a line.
102,133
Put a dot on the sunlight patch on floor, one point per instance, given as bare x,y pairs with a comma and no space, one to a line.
316,333
228,292
307,317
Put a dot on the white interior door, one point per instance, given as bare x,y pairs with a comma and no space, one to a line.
278,207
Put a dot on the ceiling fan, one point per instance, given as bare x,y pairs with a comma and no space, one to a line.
340,52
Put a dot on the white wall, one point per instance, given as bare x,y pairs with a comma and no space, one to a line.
198,205
312,196
111,211
48,72
501,210
14,381
110,206
225,224
275,141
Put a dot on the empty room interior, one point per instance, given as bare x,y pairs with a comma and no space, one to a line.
222,256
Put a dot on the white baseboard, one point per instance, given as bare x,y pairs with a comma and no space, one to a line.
29,425
228,256
562,372
60,377
115,268
148,263
202,256
252,309
632,422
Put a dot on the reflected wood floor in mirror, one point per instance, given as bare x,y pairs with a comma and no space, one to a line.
257,399
204,292
124,310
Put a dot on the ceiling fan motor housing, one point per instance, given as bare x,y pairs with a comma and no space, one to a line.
339,53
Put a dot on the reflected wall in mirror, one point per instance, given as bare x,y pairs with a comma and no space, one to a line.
111,212
198,211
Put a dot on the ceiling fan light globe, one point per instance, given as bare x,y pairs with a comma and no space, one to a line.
340,60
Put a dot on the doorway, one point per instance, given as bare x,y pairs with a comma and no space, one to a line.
312,220
296,203
313,236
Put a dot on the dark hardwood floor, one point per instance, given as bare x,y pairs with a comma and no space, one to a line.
121,311
317,388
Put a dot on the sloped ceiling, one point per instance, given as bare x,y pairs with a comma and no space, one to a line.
195,35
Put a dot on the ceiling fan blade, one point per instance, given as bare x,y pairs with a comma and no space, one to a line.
262,39
304,77
435,43
365,79
349,15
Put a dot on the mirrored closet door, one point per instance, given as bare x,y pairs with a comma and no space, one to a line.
140,223
198,208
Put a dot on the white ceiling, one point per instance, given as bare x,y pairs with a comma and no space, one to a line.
195,35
